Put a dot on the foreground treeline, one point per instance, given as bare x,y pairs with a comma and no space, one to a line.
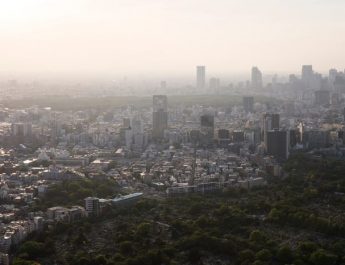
298,220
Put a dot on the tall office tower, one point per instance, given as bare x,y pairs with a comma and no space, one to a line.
21,129
207,128
293,137
278,144
265,127
275,121
307,75
214,84
248,104
256,78
200,77
301,130
331,77
322,97
138,137
269,122
339,84
223,138
160,116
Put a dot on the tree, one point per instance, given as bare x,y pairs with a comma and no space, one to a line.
257,236
322,257
247,255
263,255
126,247
33,249
194,255
84,261
18,261
143,229
306,248
285,254
100,260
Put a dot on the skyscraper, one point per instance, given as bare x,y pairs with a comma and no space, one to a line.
256,78
307,75
160,116
200,77
331,77
307,72
214,84
269,122
339,84
248,104
207,128
275,121
278,144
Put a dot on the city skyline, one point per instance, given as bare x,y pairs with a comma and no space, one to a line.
169,38
159,132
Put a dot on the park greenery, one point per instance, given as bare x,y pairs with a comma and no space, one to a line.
296,220
73,192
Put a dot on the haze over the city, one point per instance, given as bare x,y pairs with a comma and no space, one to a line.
165,132
168,38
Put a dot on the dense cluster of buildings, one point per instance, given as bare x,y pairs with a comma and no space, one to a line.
164,149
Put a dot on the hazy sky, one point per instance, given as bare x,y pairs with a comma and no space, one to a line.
124,37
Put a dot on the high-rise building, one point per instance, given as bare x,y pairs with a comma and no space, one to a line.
92,206
293,137
331,77
214,84
248,104
269,122
307,75
256,78
160,116
278,144
307,72
223,137
200,77
301,130
339,84
207,128
275,121
316,139
21,129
